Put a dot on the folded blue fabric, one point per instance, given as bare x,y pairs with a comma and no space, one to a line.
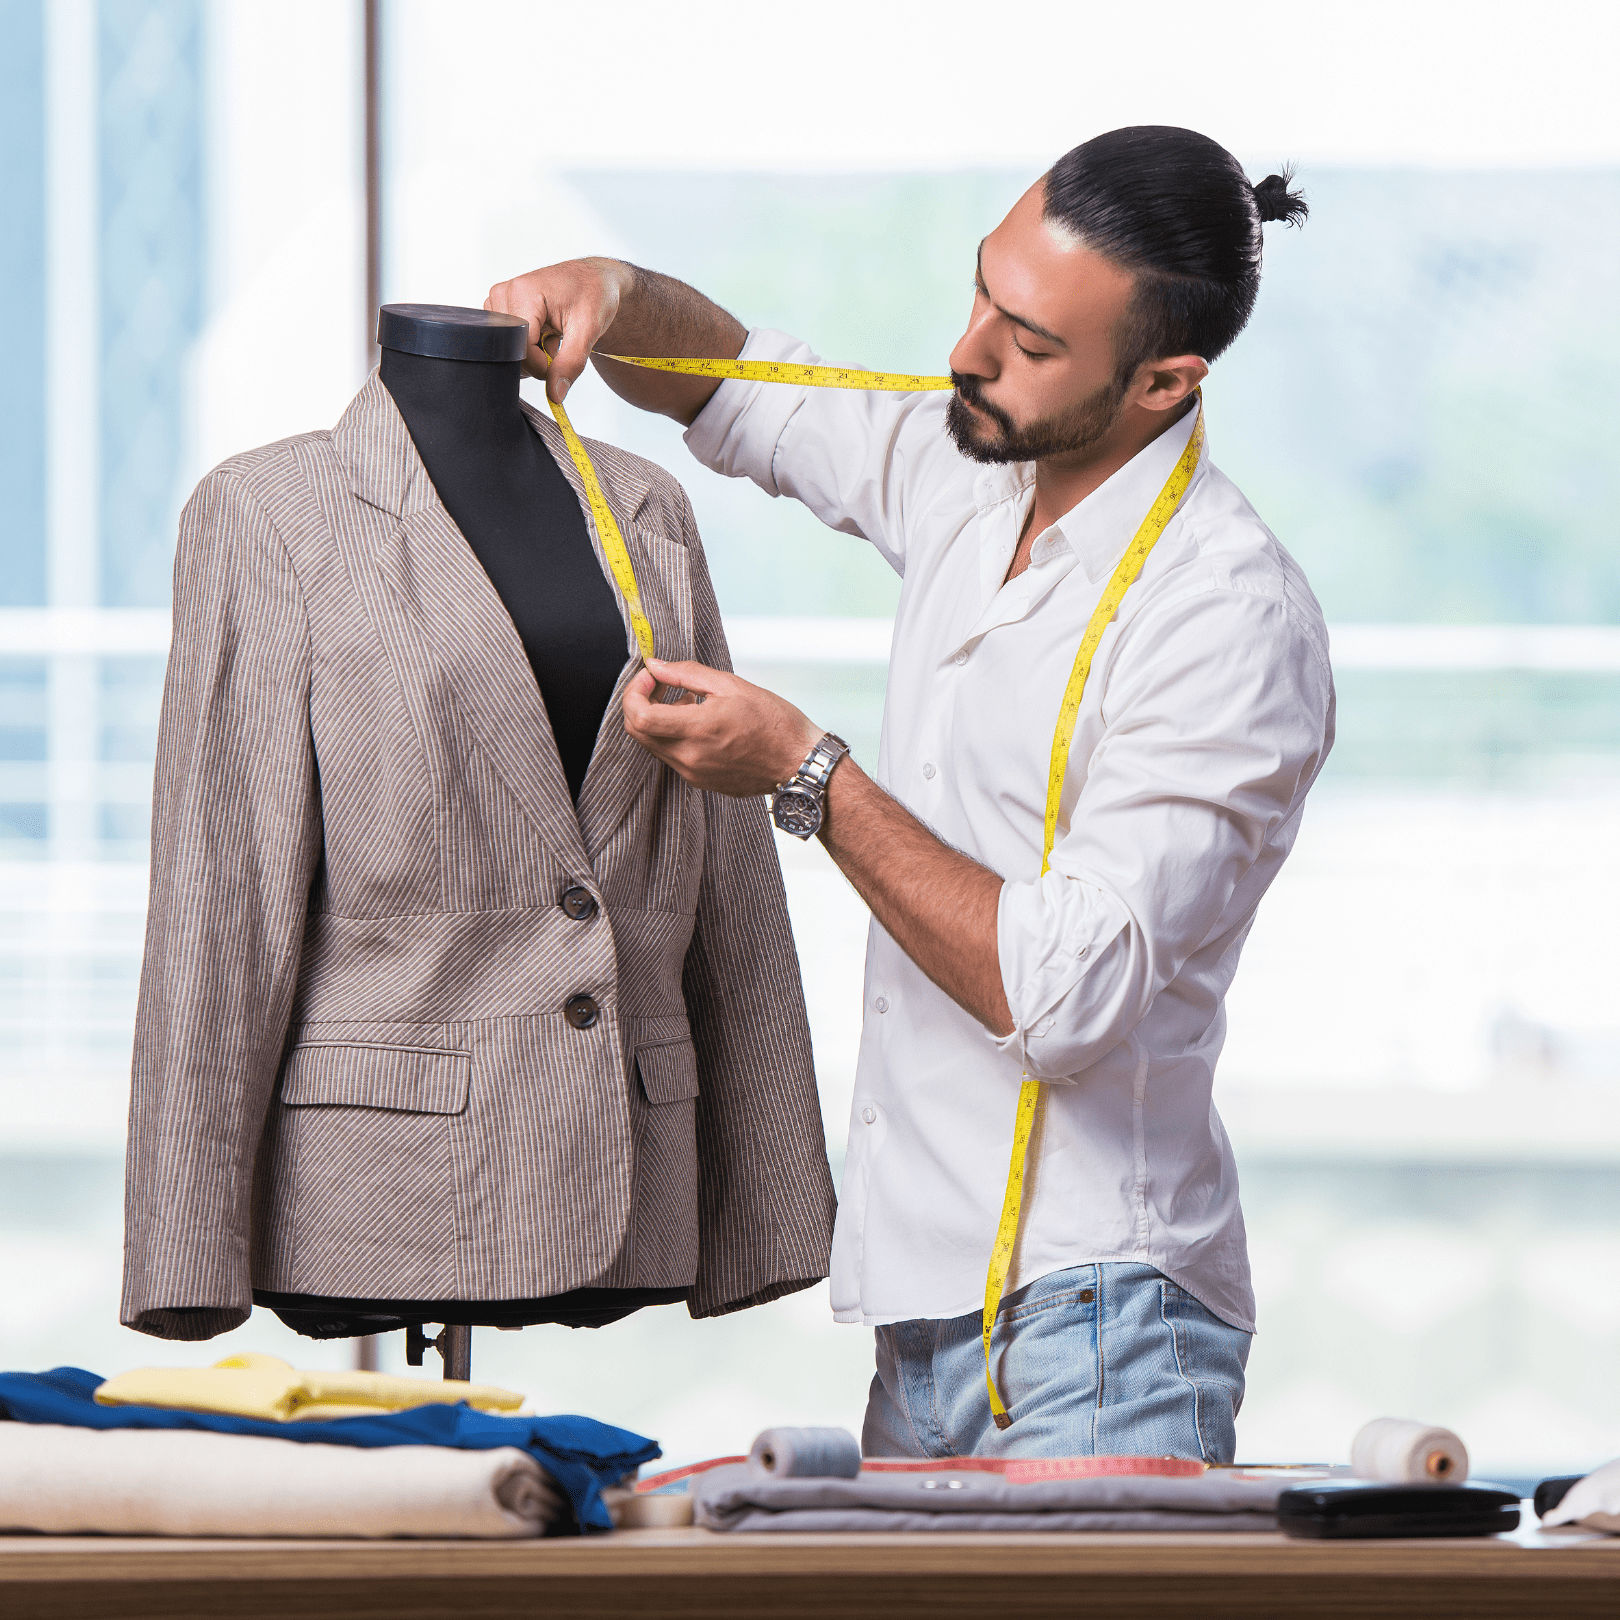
579,1453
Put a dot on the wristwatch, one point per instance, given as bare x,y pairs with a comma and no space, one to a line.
799,803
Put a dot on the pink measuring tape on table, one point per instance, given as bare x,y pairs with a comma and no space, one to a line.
1017,1470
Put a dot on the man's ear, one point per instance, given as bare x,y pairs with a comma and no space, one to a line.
1161,385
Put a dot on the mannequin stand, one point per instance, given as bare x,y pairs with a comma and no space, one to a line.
453,1342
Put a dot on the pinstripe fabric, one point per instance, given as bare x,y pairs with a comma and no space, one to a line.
352,1075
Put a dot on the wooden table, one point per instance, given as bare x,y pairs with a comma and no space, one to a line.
654,1573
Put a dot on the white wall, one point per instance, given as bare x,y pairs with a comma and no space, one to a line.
947,83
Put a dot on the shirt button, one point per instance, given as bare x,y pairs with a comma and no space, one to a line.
869,1114
579,903
581,1011
882,1003
928,771
961,658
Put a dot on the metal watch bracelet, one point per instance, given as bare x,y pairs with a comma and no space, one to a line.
798,805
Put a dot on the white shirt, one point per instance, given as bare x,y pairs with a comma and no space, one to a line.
1207,716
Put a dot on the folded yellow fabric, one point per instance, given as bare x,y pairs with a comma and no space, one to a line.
257,1386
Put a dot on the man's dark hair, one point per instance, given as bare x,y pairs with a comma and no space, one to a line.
1177,209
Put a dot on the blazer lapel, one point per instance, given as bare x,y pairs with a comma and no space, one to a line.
619,765
458,613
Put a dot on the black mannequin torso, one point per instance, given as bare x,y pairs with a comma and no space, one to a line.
507,495
519,514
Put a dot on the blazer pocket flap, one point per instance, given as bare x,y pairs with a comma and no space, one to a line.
408,1079
668,1071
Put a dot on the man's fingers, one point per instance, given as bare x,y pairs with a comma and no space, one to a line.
693,676
644,718
513,298
572,354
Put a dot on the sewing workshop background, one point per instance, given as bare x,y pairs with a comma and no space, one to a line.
1423,1072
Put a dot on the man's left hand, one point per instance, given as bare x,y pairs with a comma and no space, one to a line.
725,734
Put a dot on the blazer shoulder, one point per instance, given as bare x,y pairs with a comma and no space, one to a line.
662,493
267,467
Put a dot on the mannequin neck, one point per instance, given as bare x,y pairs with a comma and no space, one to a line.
459,407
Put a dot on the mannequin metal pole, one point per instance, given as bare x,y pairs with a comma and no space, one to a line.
455,1347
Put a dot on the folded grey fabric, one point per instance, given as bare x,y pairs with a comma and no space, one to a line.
176,1482
741,1497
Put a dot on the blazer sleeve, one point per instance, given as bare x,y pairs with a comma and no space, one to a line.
761,1142
235,841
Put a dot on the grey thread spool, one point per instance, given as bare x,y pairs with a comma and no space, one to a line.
807,1453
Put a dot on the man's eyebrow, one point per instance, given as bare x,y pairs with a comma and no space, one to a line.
1017,320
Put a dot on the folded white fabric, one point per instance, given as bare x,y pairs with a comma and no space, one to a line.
741,1497
1594,1503
176,1482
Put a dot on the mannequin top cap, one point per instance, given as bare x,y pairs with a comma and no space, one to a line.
446,332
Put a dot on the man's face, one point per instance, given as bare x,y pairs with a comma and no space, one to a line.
1036,370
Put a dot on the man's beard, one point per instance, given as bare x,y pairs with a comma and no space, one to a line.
1066,434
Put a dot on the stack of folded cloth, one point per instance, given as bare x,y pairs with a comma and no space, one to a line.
809,1479
252,1447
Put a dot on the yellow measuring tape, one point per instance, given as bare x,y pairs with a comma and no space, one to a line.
1124,576
786,371
775,371
607,530
1029,1093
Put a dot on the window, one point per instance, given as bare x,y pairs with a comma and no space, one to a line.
1423,1071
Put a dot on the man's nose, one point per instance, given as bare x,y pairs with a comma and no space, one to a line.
973,354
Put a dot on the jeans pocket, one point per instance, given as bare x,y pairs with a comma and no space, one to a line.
1210,1359
1070,1289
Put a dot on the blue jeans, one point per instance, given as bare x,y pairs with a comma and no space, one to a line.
1111,1359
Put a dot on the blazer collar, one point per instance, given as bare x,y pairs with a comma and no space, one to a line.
386,472
459,614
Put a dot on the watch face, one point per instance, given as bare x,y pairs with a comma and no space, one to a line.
796,812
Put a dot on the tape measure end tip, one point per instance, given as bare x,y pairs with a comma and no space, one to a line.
1003,1419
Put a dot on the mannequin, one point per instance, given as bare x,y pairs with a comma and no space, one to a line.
511,501
454,375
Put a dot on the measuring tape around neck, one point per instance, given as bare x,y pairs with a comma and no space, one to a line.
1124,576
1029,1092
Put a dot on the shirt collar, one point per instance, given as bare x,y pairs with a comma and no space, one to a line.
1098,528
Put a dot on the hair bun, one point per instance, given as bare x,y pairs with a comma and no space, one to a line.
1274,200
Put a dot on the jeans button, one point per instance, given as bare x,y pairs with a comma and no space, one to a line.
579,903
581,1011
1087,1295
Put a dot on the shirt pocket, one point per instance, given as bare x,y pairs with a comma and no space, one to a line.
668,1070
406,1068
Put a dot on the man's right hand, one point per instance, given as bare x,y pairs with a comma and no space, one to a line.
569,307
575,307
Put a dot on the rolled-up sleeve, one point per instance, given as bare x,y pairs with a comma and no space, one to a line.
1221,707
865,462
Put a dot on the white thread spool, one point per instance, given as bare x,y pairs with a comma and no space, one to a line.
1407,1453
807,1453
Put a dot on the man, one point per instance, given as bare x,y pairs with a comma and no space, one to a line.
1005,506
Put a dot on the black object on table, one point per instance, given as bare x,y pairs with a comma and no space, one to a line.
1550,1492
1351,1508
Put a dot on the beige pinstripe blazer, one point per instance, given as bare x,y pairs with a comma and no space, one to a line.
352,1073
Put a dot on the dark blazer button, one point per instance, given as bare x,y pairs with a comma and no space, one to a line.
580,904
581,1011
